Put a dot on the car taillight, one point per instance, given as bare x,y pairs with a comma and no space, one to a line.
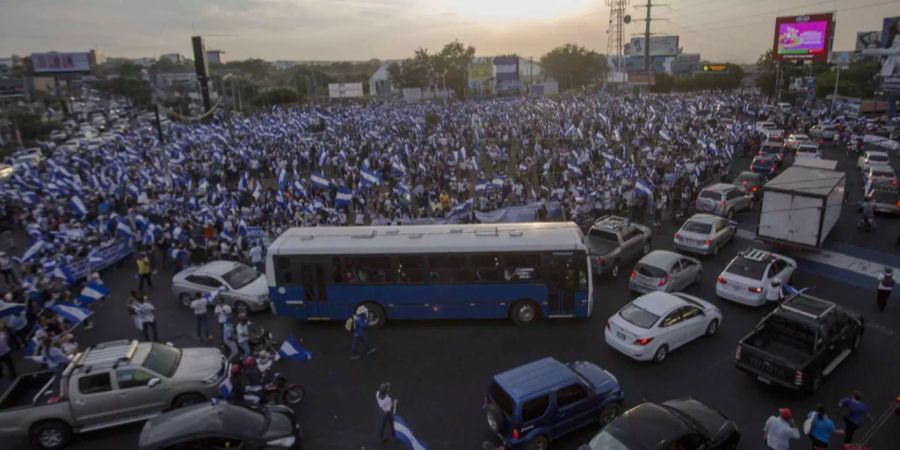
663,281
707,242
721,280
737,352
755,290
633,274
798,378
515,433
754,188
608,326
898,203
601,261
643,341
722,203
676,236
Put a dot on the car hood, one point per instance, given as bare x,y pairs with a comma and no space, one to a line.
712,422
603,381
198,363
256,288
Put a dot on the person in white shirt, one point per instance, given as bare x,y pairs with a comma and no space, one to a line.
774,293
779,430
223,314
199,305
256,257
387,406
148,320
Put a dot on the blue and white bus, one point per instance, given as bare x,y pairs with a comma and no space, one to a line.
522,271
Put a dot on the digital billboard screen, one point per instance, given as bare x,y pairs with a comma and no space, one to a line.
60,62
803,38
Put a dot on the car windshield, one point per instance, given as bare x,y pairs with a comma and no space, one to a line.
711,195
603,235
162,359
502,399
638,316
240,276
697,227
882,172
878,158
749,177
886,196
650,271
747,268
604,440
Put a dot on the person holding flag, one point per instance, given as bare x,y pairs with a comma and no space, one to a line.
388,407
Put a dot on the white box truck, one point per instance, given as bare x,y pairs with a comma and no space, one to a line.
801,206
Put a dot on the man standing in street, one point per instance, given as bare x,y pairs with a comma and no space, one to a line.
143,270
853,411
148,319
780,429
885,286
223,316
199,306
360,322
243,335
256,255
6,353
387,406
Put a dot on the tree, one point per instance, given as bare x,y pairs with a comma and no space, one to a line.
278,96
411,72
857,80
253,68
129,69
449,66
137,90
574,66
662,83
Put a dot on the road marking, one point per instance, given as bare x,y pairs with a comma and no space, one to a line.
880,328
834,259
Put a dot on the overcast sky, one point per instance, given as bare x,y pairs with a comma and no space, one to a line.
721,30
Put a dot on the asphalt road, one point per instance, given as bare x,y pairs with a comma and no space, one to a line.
440,370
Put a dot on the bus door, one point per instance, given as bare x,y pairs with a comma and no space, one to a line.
313,278
562,281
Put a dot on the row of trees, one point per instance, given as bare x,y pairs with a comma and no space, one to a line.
857,80
730,79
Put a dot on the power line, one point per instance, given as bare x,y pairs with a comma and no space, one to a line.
726,23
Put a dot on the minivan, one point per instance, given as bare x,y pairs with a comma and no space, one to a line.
531,405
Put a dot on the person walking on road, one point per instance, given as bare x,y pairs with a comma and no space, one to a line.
223,316
148,319
256,257
243,335
387,406
6,353
360,323
780,429
853,411
143,271
775,292
132,305
199,306
821,428
54,357
885,286
229,340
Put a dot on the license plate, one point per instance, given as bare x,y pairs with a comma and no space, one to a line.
620,335
764,380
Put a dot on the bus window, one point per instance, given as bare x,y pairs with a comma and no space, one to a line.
410,269
486,267
286,273
370,269
337,272
447,268
522,267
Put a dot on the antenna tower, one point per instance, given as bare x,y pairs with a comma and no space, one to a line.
616,32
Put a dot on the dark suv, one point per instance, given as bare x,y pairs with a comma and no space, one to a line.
531,405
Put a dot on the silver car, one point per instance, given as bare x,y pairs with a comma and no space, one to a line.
662,270
724,200
242,288
704,234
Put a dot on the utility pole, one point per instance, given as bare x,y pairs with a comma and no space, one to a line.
647,38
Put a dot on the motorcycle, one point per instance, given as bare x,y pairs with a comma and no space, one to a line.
276,388
866,224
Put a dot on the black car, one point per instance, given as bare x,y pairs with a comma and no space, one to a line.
221,425
684,424
752,182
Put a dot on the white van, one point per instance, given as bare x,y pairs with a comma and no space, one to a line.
784,107
808,151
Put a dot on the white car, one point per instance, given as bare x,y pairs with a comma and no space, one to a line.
704,234
793,141
748,276
808,150
880,175
653,325
242,288
872,158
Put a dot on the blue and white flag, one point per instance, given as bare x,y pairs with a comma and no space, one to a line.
177,253
292,350
405,435
643,186
320,181
124,230
226,235
77,205
62,271
210,296
573,168
92,292
31,351
369,177
475,165
282,179
398,169
71,313
34,250
323,157
481,185
344,198
402,190
225,388
244,182
10,309
697,171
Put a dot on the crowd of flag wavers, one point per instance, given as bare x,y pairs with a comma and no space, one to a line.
212,188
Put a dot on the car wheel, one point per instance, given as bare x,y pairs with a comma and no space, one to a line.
241,307
185,299
609,413
646,248
661,354
712,327
698,278
495,418
729,213
188,399
856,341
715,251
51,435
817,382
614,272
524,312
538,443
294,395
377,318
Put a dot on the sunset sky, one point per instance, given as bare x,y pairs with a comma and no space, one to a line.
722,30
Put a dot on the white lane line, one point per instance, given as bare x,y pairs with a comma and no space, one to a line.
842,261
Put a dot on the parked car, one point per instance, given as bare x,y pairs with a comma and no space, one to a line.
751,182
684,424
808,151
653,325
880,176
531,405
242,287
886,200
765,165
825,132
222,425
749,276
723,199
109,385
662,270
872,158
614,241
800,343
704,234
795,140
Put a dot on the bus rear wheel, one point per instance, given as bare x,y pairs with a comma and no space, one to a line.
524,312
377,318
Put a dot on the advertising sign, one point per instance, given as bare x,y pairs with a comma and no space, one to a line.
506,74
345,90
659,46
890,44
803,38
481,70
866,40
842,59
60,62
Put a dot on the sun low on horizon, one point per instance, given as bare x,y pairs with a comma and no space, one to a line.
487,11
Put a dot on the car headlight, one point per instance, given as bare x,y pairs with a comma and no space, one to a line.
283,442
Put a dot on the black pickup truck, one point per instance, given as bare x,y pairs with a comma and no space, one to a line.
799,343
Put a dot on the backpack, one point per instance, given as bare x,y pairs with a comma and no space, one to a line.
349,324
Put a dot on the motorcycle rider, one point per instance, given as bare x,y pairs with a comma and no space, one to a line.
867,214
252,379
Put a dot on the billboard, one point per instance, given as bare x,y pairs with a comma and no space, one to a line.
890,66
481,70
60,62
866,40
659,46
842,59
345,90
803,38
506,74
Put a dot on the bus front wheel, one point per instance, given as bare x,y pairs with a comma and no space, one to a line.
524,312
